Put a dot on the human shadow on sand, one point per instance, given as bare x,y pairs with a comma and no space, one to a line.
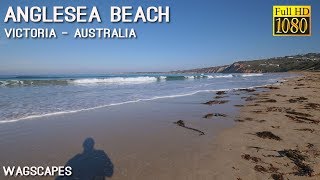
91,164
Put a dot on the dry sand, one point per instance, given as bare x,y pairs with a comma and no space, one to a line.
277,135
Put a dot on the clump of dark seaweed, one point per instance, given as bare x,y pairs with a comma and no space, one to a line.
298,113
272,87
252,158
301,117
247,90
182,124
298,158
210,115
313,106
306,129
220,97
299,99
293,155
216,102
277,177
268,135
260,168
270,169
303,169
220,92
295,119
268,101
239,120
220,115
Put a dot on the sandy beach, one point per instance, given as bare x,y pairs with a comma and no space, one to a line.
140,139
277,134
269,132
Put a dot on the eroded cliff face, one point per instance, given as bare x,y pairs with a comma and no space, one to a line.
240,68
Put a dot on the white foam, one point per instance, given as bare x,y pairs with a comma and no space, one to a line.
163,77
4,83
250,75
11,82
224,76
189,77
32,117
116,80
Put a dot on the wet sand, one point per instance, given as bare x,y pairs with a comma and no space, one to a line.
140,139
277,135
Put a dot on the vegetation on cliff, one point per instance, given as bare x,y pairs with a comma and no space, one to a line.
301,62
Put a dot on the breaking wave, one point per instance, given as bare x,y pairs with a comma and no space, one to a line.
47,81
116,80
253,74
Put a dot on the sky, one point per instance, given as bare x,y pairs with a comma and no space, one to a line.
201,33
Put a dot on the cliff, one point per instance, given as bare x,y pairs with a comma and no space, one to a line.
301,62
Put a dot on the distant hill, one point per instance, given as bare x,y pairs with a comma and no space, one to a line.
301,62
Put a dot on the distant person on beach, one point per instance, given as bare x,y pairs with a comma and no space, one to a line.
91,164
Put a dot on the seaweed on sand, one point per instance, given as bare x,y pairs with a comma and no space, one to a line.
216,102
268,135
182,124
313,106
210,115
299,99
272,87
252,158
300,119
306,129
270,169
260,168
298,113
247,90
220,97
220,92
268,101
277,176
297,158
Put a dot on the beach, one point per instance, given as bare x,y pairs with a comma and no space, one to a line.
262,132
140,139
290,112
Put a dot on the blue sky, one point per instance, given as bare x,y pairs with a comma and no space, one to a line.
201,33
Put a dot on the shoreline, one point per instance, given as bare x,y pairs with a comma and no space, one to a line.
141,139
34,117
147,139
276,135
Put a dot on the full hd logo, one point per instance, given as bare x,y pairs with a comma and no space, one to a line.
291,20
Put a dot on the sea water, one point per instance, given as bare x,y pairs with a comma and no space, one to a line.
29,97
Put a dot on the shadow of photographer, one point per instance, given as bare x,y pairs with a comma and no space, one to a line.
91,164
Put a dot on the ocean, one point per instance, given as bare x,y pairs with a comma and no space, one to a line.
28,97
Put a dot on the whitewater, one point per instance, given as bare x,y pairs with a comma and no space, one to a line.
31,97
